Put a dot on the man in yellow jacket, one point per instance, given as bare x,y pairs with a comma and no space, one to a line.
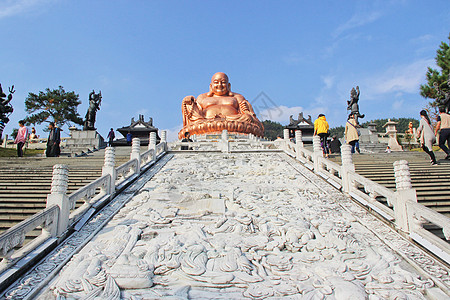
321,128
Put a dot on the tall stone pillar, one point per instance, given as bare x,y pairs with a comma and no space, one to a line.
58,196
298,138
163,136
225,142
298,144
317,152
347,166
136,152
152,140
286,134
109,167
404,193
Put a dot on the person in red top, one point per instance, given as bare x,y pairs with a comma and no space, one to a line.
21,138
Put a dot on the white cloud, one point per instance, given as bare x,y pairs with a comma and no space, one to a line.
292,59
397,105
172,133
357,20
329,81
10,8
282,113
398,79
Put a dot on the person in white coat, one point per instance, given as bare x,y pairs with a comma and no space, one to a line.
426,135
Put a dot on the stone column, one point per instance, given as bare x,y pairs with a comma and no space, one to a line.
152,140
225,135
286,134
109,167
225,142
404,193
136,152
164,139
298,144
347,166
58,196
298,138
317,152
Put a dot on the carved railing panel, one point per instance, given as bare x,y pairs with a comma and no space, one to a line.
15,236
89,194
147,157
126,170
418,215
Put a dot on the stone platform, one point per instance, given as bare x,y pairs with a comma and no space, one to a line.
234,226
83,141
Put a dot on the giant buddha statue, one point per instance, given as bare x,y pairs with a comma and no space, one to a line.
217,110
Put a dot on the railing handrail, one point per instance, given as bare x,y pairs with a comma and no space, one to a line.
51,216
396,208
84,191
126,166
9,239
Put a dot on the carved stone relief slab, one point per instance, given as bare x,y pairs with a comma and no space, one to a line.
233,226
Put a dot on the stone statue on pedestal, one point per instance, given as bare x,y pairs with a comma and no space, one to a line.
6,109
353,103
217,110
94,105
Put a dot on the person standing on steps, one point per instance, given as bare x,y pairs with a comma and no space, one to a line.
351,133
129,138
321,128
21,138
426,136
443,125
111,137
54,138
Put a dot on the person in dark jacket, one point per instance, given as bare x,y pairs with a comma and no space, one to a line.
335,145
54,139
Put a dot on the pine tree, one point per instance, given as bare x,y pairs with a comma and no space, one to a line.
436,77
58,105
272,129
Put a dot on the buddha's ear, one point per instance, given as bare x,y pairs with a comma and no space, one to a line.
229,90
210,93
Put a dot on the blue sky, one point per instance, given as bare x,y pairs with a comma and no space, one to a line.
145,56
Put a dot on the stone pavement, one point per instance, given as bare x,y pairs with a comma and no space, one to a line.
233,226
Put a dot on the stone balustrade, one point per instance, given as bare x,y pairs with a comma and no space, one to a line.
61,215
402,208
15,236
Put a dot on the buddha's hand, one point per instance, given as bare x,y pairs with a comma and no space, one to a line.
189,100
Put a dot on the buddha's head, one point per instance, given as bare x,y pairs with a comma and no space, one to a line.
219,85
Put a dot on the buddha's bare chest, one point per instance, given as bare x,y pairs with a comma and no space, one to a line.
213,101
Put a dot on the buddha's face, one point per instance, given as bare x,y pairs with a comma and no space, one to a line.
219,84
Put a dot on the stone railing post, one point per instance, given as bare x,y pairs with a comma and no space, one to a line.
317,152
136,152
298,138
164,139
152,140
404,193
225,142
298,143
347,165
58,196
109,167
286,134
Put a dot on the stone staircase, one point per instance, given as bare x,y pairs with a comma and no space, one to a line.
431,182
25,182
